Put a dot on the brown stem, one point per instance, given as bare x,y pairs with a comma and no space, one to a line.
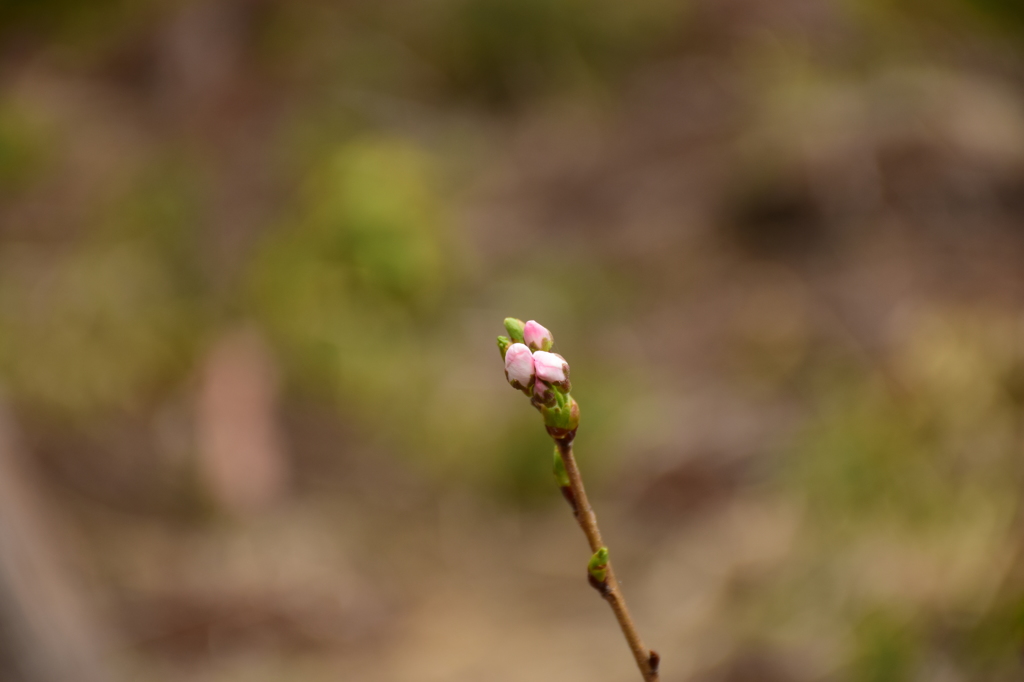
646,659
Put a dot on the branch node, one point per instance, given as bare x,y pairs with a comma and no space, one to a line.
654,660
600,585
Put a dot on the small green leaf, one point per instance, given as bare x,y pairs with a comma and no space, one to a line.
598,565
561,475
503,343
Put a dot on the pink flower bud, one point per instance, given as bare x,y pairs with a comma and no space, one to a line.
552,368
537,337
540,390
519,367
542,395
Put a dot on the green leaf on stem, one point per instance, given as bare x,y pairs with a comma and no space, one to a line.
503,343
561,475
598,565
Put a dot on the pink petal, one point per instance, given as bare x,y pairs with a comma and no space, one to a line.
535,335
549,367
519,364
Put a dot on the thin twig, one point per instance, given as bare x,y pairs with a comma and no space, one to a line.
646,659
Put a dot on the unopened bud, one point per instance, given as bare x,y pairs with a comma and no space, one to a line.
503,344
542,395
598,565
552,368
515,329
519,367
537,337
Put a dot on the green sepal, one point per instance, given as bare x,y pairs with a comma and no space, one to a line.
515,329
564,415
598,565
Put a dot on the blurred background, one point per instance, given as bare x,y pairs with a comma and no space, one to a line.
254,255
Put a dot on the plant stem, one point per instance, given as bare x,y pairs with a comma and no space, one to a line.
646,659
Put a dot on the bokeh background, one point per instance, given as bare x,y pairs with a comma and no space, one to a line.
254,255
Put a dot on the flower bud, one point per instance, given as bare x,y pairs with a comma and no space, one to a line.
552,368
537,337
542,395
519,368
515,329
503,344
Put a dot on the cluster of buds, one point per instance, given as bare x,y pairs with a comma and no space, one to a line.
543,376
